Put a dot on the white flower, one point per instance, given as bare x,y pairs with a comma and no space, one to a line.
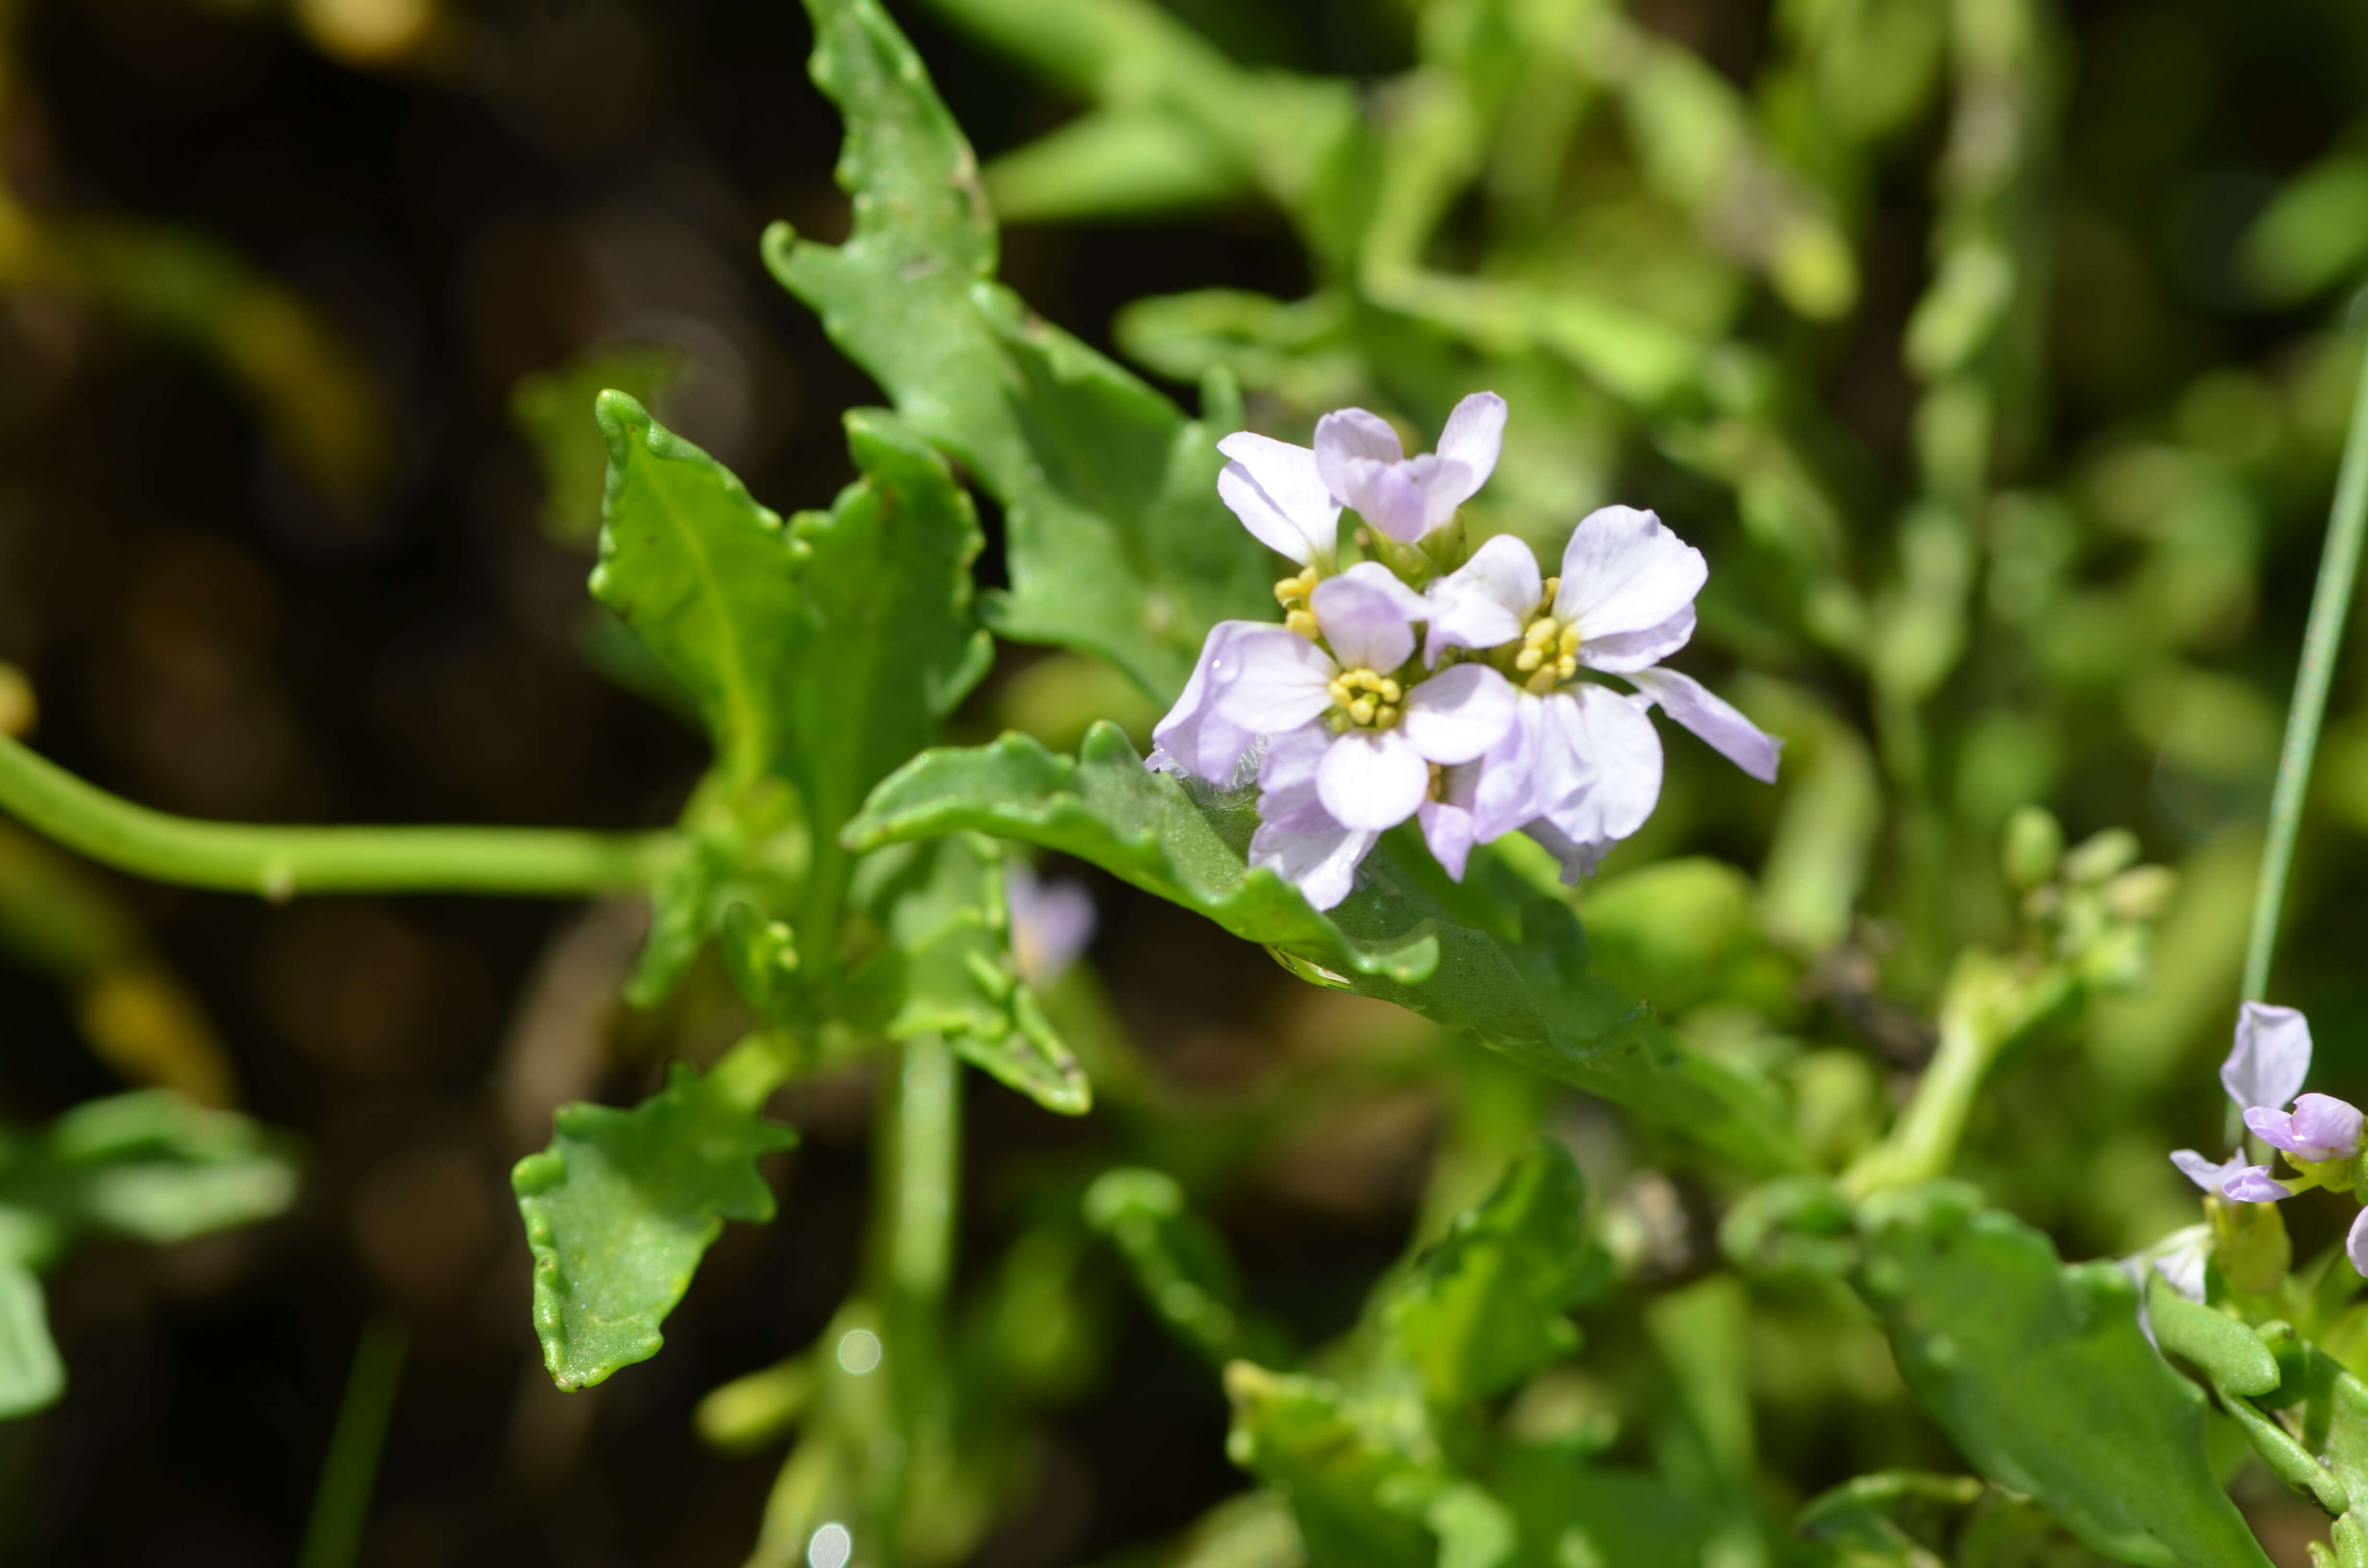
1591,761
1274,488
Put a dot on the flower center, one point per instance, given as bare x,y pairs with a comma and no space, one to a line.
1366,700
1291,593
1549,653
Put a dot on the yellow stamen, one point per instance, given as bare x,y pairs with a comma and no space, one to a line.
1301,622
1528,659
1391,691
1385,718
1362,711
1570,642
1539,633
1339,691
1554,590
1542,682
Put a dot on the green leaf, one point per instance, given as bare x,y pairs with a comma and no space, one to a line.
946,969
1571,1512
621,1206
1116,541
2229,1355
1491,957
1483,1308
1358,1497
2041,1374
32,1376
149,1166
705,577
824,651
551,411
1893,1516
1180,1262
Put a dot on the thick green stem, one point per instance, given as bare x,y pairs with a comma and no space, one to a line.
2330,606
278,862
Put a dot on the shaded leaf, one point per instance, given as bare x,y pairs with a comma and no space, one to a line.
1116,541
149,1166
1491,957
946,969
1483,1308
2041,1374
32,1376
1180,1262
621,1206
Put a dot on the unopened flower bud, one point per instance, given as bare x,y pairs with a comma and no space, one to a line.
2142,893
2106,855
2034,842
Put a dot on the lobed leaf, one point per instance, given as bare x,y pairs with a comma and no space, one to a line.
620,1208
1491,958
946,969
553,411
1483,1308
1358,1497
2042,1377
1180,1263
1116,541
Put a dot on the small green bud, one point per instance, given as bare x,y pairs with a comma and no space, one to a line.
2034,842
2109,853
2142,893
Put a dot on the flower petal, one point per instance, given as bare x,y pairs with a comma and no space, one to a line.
1274,488
1366,615
2270,1058
1321,864
1459,713
2327,1126
2181,1258
1623,572
1624,652
2203,1172
1613,748
1504,795
1486,600
1474,436
1371,781
1735,737
1349,436
1051,922
1195,737
1390,497
1272,679
2355,1244
2252,1185
1446,828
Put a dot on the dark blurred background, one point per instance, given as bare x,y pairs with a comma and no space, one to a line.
254,574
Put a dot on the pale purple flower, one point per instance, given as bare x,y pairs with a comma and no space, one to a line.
2355,1242
2231,1178
2270,1058
1194,738
1381,736
2320,1128
1591,761
1051,922
1275,489
1296,836
1363,466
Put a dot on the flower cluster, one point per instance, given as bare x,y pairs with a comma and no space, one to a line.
1455,688
2319,1134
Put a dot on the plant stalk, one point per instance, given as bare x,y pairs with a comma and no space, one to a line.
279,862
2330,606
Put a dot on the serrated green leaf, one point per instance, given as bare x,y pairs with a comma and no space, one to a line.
1483,1308
551,411
149,1166
946,969
1116,541
1358,1498
705,577
2041,1374
621,1206
32,1376
1491,958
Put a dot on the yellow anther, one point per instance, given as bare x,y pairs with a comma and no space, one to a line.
1539,633
1339,691
1569,642
1362,711
1528,659
1567,667
1542,682
1301,622
1385,718
1391,691
1554,590
1291,589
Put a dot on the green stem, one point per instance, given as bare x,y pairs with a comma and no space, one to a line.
2331,605
350,1470
278,862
